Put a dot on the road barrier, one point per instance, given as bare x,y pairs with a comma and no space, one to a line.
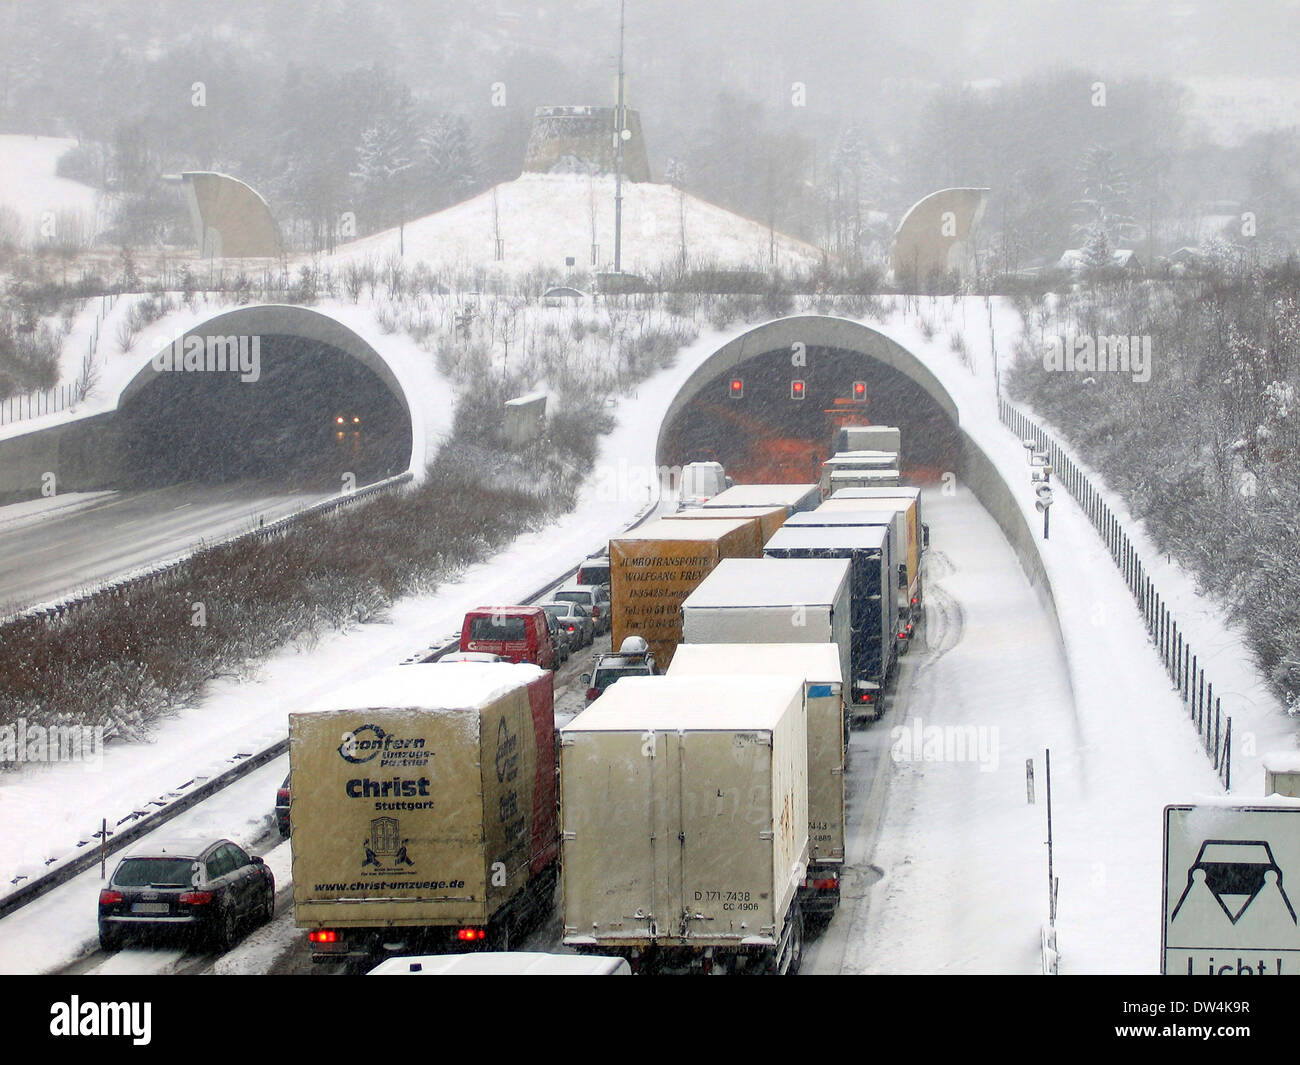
1204,708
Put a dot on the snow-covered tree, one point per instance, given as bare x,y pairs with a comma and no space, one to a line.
1103,206
449,160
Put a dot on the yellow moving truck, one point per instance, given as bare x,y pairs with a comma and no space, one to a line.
424,810
685,818
655,567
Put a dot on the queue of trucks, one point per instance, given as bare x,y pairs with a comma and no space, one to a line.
698,818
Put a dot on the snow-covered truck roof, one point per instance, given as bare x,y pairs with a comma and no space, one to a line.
705,703
431,686
870,537
755,582
761,495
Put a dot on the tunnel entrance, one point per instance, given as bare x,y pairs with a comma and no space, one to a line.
312,414
767,421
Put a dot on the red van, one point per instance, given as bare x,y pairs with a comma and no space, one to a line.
516,633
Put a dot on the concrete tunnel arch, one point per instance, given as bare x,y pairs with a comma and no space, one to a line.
810,330
298,324
974,469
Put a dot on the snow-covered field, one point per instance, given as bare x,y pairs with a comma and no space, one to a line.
31,189
1121,746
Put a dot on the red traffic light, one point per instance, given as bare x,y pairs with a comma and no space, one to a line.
859,390
737,388
796,390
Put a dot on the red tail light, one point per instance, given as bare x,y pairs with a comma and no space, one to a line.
826,885
903,635
915,600
109,898
323,935
195,898
864,697
282,795
571,628
592,693
471,935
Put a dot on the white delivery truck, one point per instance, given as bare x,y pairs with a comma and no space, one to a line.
873,591
700,482
685,823
893,513
819,665
794,497
850,461
869,438
770,600
839,479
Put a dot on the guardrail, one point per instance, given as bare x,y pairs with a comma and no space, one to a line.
142,823
1183,665
159,571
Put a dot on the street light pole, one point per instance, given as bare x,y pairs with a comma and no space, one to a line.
618,151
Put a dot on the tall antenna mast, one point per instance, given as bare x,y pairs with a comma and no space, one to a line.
619,132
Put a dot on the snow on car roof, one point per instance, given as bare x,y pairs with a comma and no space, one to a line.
870,537
771,582
746,495
176,847
705,703
818,662
431,686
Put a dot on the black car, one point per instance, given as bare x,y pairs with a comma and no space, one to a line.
200,889
282,808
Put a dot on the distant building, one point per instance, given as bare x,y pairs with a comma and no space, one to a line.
1123,260
582,140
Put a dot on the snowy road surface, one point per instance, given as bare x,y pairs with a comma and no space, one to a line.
48,553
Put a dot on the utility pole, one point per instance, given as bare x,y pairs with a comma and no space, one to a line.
618,151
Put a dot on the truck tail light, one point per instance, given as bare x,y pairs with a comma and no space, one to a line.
109,898
195,898
323,935
592,693
864,697
282,795
903,635
471,935
829,884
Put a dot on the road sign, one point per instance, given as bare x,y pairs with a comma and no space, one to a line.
1231,891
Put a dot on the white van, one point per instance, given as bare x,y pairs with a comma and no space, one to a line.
700,482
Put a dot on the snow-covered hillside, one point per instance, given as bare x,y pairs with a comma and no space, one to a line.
544,219
31,189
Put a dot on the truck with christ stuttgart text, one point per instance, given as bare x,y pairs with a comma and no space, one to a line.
424,810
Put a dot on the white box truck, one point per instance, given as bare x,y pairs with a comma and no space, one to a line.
819,665
869,438
685,823
873,585
850,461
794,497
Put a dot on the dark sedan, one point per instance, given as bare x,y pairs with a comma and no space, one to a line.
201,889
